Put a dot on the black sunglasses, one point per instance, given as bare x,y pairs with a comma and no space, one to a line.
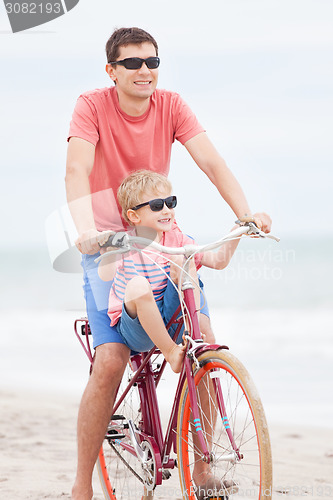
158,204
137,62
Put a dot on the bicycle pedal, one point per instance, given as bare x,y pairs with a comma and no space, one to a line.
219,497
119,417
114,435
217,492
214,497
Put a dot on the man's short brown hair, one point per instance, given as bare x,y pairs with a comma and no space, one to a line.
126,36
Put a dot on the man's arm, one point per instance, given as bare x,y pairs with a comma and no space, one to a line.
213,165
80,161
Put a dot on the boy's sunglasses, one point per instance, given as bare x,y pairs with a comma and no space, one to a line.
137,62
158,204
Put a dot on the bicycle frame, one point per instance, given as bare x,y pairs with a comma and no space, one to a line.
147,379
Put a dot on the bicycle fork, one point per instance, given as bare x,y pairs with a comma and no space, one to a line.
195,410
234,455
197,343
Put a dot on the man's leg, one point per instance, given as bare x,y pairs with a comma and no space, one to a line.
206,328
95,412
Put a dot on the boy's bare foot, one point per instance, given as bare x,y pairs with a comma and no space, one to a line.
176,357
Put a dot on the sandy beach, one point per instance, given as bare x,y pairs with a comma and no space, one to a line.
37,440
43,375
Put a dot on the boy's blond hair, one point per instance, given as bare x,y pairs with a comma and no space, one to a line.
136,185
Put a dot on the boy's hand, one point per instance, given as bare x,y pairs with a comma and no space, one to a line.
175,261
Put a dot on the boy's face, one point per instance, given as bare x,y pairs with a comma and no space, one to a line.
161,221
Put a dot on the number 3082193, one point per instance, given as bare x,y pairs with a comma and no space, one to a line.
33,8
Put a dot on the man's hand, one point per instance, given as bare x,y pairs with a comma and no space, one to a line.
263,221
88,242
103,238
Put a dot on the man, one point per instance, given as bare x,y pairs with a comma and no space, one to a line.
114,131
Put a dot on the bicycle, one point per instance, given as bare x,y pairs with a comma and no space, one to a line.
217,415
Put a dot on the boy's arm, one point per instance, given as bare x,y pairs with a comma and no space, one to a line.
107,267
220,258
213,165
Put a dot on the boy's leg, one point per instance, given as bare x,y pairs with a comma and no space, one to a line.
140,302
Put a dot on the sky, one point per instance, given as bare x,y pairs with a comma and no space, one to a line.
258,74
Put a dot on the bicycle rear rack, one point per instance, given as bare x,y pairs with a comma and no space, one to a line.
85,331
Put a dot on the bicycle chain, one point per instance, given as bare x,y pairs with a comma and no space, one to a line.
126,463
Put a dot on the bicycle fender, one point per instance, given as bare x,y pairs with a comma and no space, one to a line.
210,347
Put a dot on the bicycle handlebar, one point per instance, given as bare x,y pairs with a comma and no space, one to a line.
123,242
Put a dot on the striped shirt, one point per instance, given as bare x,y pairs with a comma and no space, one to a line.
155,268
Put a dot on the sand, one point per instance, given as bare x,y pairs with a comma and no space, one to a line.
38,451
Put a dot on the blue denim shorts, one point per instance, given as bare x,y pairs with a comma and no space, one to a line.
134,335
96,292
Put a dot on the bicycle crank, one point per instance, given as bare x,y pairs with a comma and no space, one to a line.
149,466
146,455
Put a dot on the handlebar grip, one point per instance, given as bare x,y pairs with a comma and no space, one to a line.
117,240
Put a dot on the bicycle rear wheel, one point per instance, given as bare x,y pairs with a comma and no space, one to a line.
120,471
246,473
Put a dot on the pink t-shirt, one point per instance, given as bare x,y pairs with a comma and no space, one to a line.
134,264
126,143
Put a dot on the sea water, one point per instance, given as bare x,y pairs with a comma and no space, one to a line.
273,307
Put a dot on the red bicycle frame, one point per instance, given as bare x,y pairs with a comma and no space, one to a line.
146,378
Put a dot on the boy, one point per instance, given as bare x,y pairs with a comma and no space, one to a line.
142,299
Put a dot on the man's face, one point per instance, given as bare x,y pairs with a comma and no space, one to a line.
138,83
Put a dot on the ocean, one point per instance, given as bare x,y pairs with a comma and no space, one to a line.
273,307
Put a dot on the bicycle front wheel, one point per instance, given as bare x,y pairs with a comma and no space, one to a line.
235,430
119,469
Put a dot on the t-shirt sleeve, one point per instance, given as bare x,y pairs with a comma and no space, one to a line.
186,124
84,123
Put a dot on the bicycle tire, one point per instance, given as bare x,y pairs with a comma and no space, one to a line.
120,472
247,478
